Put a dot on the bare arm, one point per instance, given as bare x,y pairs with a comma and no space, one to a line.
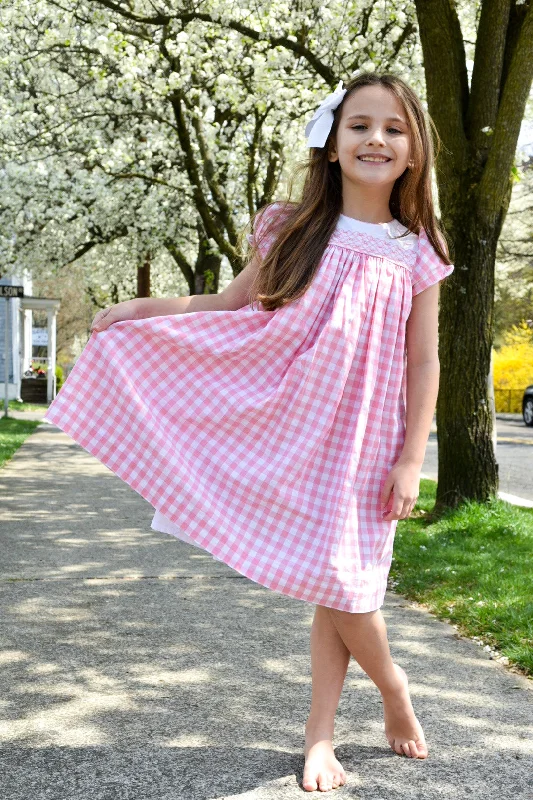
423,372
400,490
234,296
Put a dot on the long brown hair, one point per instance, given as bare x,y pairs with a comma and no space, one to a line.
302,229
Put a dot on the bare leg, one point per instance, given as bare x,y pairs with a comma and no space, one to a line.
365,635
329,662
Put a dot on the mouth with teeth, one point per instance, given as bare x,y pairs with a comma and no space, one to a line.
374,159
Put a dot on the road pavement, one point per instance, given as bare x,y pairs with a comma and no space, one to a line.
514,454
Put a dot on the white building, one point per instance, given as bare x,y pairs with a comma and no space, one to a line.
20,326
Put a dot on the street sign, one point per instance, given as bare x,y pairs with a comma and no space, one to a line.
8,292
39,336
11,291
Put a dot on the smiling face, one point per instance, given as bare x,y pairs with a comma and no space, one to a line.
373,124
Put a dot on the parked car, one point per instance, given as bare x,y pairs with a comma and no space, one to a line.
527,406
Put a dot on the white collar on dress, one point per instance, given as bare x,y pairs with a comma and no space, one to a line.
381,230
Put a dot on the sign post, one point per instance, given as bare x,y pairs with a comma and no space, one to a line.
8,292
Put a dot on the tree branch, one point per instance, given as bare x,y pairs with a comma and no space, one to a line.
496,175
487,72
183,264
193,173
446,75
295,47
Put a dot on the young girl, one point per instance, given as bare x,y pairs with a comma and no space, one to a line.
283,425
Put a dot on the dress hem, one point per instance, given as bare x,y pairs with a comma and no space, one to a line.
265,584
68,428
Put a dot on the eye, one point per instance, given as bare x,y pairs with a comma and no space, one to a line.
356,127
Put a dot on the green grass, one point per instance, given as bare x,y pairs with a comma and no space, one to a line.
14,405
473,567
13,432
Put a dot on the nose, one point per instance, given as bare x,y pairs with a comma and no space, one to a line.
375,137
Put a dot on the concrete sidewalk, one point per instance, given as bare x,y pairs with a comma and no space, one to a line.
134,667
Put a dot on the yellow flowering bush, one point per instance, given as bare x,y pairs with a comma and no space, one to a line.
513,367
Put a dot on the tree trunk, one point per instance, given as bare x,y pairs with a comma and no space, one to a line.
143,277
467,465
479,127
492,404
207,268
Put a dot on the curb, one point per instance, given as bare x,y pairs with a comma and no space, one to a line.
513,499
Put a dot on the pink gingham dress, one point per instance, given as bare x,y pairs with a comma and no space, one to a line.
265,437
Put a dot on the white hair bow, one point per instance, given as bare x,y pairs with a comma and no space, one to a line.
319,126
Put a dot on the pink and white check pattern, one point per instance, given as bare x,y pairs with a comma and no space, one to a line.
266,436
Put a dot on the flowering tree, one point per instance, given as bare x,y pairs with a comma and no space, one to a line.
168,130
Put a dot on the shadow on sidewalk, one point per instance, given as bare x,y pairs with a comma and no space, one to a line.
136,666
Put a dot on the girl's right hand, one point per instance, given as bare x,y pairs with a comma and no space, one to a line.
130,309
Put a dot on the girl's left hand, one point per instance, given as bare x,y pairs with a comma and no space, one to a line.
404,482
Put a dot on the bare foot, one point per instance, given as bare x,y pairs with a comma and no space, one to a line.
322,771
402,729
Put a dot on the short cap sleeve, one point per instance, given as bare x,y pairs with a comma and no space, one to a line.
429,267
264,231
